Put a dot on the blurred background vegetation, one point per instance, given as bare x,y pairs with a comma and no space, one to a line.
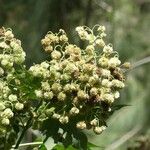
127,22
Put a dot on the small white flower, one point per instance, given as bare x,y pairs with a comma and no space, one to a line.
99,130
9,34
5,121
103,61
74,110
63,38
39,93
56,116
107,49
101,28
61,96
106,73
106,83
12,97
81,125
117,83
94,122
114,62
93,91
7,113
100,42
108,97
19,106
45,86
116,94
56,54
48,95
64,119
2,107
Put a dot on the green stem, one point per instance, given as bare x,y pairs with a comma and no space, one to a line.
23,132
5,141
29,144
28,125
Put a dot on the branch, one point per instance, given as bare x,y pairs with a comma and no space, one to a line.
140,62
28,144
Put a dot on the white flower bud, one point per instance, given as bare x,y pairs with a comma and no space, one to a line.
117,83
12,97
48,95
93,91
106,73
45,65
108,97
103,61
90,49
56,87
74,110
9,34
7,113
101,28
93,80
19,106
3,45
116,94
100,43
61,96
1,71
64,119
45,86
4,62
38,93
2,107
99,130
94,122
5,121
81,125
107,49
56,55
106,83
63,38
49,48
114,62
81,94
56,116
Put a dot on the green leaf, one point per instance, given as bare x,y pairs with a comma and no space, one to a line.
58,147
91,145
82,139
71,148
117,107
67,140
61,147
42,147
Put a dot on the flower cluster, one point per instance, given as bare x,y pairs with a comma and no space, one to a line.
11,54
81,84
11,51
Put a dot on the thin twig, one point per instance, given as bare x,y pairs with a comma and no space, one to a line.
140,62
28,144
124,138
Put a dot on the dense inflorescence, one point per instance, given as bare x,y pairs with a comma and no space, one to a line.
11,55
80,84
75,89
